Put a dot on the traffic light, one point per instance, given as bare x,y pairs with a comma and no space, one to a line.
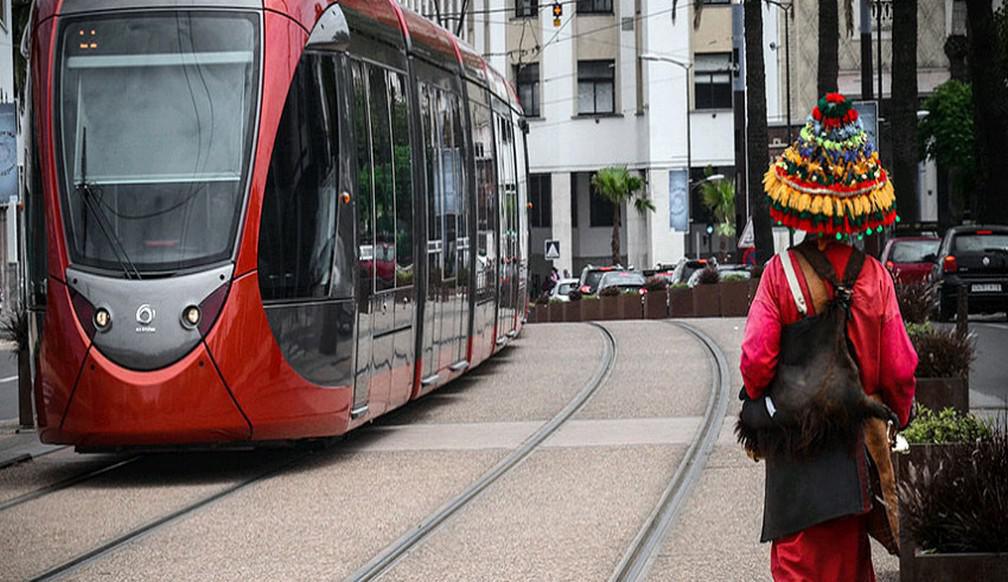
710,229
557,13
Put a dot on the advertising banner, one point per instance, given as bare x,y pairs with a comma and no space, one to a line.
679,203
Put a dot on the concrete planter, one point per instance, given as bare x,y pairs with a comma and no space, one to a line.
539,313
609,307
590,310
680,302
938,393
572,311
734,296
556,312
631,306
656,305
707,300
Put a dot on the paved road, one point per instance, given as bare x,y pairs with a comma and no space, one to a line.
989,377
8,386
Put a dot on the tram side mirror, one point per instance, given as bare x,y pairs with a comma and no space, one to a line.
331,31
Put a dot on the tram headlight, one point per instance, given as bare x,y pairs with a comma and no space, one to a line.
191,316
102,319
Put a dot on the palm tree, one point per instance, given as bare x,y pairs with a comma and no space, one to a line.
829,46
619,186
904,106
757,151
719,197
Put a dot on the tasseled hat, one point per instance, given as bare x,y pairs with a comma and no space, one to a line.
830,180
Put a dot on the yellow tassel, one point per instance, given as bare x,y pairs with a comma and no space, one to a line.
816,204
804,202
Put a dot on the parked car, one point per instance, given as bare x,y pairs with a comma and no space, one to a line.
588,284
561,291
623,280
734,271
685,268
910,259
975,257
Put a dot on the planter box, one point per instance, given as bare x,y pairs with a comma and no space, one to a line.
590,310
965,567
572,311
706,300
656,305
609,308
556,312
937,393
680,302
734,298
752,285
631,306
538,313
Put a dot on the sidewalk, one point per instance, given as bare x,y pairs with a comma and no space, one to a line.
17,446
716,537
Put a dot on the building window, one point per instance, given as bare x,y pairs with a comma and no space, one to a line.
527,80
712,85
526,8
596,87
594,6
601,212
541,198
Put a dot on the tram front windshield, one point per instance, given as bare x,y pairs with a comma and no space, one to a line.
156,114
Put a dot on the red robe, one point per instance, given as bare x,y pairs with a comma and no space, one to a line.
837,549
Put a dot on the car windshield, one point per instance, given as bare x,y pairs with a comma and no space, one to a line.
621,279
156,117
592,279
565,288
913,251
977,242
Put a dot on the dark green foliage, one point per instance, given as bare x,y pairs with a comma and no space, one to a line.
942,352
609,292
653,284
709,276
575,295
916,301
961,506
946,134
947,426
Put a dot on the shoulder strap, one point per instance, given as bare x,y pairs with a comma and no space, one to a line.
819,263
854,265
792,281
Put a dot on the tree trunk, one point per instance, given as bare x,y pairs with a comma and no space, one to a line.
990,112
615,246
757,151
829,46
904,108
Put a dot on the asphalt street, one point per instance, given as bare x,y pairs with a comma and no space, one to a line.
989,377
8,386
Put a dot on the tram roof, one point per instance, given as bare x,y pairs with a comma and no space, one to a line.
418,34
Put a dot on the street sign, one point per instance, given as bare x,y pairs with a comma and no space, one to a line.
552,250
748,238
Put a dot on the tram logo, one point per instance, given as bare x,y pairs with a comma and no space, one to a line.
145,315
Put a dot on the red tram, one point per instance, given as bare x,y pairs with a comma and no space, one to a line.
260,220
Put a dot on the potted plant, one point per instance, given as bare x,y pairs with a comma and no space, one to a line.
953,510
14,328
556,311
945,356
590,308
734,295
656,300
631,304
680,300
572,309
706,298
609,303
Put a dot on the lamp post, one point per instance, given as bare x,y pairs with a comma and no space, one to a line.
686,67
787,59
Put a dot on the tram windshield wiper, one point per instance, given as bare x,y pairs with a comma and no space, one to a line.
86,193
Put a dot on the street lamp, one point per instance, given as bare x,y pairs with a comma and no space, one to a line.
787,59
686,67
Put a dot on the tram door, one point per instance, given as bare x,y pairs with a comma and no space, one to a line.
384,319
508,221
446,310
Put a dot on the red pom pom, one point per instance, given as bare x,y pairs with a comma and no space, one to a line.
816,114
835,98
853,115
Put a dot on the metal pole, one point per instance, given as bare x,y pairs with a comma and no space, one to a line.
866,51
787,67
878,34
689,139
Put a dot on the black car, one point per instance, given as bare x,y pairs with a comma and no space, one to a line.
975,257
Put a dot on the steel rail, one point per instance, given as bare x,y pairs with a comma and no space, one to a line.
385,559
72,565
640,555
65,483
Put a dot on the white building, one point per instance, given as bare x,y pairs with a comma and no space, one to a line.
10,162
593,101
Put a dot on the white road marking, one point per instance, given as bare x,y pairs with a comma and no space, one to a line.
1001,326
8,379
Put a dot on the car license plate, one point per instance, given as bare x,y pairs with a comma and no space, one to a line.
986,288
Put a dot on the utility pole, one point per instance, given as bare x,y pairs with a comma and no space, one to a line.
739,111
866,50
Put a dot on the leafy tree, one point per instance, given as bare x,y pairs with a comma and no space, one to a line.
946,134
719,197
829,46
619,186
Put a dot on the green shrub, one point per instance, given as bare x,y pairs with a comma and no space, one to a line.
609,292
916,301
942,352
946,426
733,277
679,286
653,284
709,276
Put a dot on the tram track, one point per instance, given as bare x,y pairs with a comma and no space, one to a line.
65,483
392,553
640,555
69,566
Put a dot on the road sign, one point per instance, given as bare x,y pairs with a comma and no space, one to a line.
748,238
552,250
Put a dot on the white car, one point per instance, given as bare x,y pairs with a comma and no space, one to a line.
560,291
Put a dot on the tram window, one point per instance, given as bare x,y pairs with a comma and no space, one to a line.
429,129
403,181
459,206
298,225
384,180
486,186
363,171
450,166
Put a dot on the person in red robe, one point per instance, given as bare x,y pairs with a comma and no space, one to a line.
837,549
